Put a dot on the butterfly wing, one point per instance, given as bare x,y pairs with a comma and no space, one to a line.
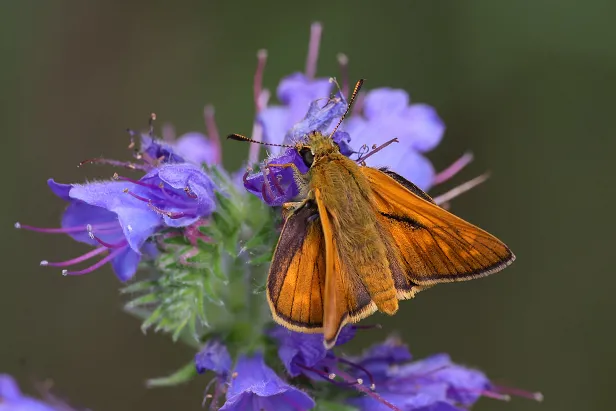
296,280
309,289
434,245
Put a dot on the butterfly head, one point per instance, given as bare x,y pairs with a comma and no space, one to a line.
316,146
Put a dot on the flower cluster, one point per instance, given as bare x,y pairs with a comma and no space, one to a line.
207,236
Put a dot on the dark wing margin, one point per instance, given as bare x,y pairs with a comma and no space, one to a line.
407,184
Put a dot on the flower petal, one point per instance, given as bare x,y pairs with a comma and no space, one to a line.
159,150
79,214
385,102
9,390
138,224
61,190
256,386
197,148
425,127
276,122
214,357
125,264
298,348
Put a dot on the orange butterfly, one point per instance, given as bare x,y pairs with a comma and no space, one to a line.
361,239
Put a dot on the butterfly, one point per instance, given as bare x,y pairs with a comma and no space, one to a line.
359,239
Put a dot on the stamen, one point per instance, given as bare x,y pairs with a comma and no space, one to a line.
99,264
137,196
313,50
212,131
274,181
368,391
359,367
490,394
266,190
67,230
461,189
172,215
377,149
168,132
331,377
151,124
257,85
260,97
343,62
453,169
131,135
189,193
103,243
77,260
136,182
207,396
114,163
537,396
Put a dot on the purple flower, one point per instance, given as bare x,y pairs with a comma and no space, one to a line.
305,353
193,147
158,151
214,357
196,148
181,193
463,385
255,386
298,94
434,383
117,217
298,351
12,399
380,357
275,185
387,114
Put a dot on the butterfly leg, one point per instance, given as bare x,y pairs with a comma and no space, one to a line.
292,206
300,178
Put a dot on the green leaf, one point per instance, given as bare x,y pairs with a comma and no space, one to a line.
143,300
138,287
181,376
227,207
210,292
222,224
155,316
176,240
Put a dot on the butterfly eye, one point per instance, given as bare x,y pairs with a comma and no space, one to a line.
307,155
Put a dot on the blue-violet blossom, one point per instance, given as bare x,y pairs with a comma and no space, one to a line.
255,386
118,217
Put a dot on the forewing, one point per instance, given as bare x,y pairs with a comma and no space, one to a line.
434,245
296,280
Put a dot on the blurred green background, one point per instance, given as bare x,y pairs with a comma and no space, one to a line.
527,85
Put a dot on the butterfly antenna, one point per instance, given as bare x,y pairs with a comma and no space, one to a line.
239,137
353,96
